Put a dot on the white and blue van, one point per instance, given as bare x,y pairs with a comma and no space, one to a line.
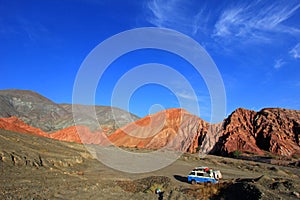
204,175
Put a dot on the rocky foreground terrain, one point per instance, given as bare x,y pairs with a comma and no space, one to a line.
35,167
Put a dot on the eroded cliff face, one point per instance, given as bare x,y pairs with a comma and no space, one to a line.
271,130
277,131
238,133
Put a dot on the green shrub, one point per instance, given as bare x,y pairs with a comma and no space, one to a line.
236,153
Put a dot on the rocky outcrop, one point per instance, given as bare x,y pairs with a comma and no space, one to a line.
238,134
277,131
271,130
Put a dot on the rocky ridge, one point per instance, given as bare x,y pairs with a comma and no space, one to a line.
271,130
38,111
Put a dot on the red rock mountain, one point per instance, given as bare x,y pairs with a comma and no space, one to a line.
173,129
271,130
16,125
78,134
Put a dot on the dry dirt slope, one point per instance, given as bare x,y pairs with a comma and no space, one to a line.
34,167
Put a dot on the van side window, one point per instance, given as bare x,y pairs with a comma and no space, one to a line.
200,174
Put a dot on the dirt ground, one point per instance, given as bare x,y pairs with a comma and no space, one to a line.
40,168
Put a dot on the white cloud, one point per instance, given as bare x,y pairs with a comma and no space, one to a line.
197,105
256,21
227,20
278,63
186,96
165,12
177,15
295,52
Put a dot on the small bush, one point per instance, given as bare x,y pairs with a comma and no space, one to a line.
236,153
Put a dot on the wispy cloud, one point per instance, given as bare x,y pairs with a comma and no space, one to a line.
186,96
254,21
177,15
20,26
247,22
279,63
295,52
196,103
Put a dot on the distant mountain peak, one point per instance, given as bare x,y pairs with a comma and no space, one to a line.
272,130
39,111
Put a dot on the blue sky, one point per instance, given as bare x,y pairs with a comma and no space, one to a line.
255,45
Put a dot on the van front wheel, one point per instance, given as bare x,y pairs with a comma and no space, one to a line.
193,182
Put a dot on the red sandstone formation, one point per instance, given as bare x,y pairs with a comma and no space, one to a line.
238,133
17,125
270,130
78,134
174,129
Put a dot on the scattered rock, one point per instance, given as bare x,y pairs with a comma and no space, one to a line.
145,184
296,194
273,169
282,185
249,179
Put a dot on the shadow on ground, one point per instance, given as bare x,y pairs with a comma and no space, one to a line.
181,178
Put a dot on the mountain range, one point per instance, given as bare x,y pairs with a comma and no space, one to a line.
269,131
38,111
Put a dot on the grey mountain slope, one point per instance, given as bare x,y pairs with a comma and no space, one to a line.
40,112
